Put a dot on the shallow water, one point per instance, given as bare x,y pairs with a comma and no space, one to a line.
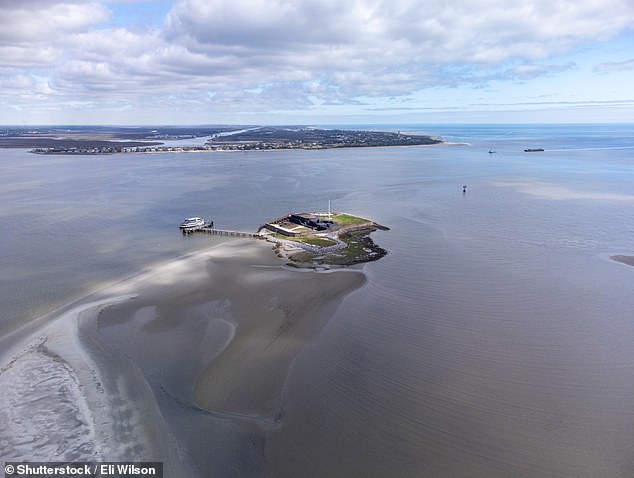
495,338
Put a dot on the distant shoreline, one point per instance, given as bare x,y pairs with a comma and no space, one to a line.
68,144
94,141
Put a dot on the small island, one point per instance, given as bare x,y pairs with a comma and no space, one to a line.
312,239
318,239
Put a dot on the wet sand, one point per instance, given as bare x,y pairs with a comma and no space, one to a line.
629,260
215,336
185,363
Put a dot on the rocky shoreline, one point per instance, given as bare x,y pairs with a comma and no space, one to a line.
355,246
360,249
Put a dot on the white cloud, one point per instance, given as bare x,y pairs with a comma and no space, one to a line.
615,66
28,56
35,21
16,83
388,47
286,54
529,71
35,33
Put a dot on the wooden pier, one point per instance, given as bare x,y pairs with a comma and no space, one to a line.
209,229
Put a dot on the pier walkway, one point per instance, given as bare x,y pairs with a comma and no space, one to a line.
209,229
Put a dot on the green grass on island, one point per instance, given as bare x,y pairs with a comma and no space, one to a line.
312,240
348,220
360,248
354,231
316,241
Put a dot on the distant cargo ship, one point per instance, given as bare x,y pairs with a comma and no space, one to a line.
533,150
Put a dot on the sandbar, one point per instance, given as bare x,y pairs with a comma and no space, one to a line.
189,357
629,260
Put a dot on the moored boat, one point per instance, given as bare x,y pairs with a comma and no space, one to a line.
192,223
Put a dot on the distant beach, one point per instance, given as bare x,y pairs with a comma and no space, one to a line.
85,140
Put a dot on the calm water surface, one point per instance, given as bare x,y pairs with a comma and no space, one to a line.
495,339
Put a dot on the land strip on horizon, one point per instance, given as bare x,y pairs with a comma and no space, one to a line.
107,140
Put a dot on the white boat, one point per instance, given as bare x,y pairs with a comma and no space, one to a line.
191,223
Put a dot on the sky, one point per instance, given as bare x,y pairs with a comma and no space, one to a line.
169,62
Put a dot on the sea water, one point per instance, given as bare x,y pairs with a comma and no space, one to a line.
495,338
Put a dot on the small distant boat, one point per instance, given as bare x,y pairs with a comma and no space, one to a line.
491,151
533,150
192,223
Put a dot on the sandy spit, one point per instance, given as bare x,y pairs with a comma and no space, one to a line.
629,260
196,347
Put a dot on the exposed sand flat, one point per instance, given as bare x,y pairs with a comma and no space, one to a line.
221,327
75,411
233,314
629,260
562,192
276,313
